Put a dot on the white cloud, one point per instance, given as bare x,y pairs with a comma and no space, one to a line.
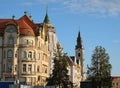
104,7
101,7
49,1
28,3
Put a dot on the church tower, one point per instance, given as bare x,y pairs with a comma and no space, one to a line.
79,51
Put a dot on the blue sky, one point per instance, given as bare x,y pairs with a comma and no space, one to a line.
98,21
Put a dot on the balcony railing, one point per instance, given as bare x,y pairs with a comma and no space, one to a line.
27,45
29,73
28,59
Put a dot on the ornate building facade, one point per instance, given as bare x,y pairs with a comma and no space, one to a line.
27,51
24,53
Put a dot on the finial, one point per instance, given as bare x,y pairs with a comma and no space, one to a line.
30,15
46,20
13,17
79,29
46,8
25,12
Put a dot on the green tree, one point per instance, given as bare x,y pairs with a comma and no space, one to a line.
59,76
99,72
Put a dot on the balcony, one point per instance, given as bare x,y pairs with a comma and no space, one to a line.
28,59
29,73
26,46
45,63
9,74
10,45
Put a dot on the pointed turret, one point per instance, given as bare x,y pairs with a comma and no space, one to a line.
79,41
46,20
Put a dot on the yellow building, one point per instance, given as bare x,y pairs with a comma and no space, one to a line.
115,81
24,54
27,51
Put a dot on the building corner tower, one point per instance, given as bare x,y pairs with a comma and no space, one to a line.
52,40
79,54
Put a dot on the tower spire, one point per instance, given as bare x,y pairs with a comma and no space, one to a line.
46,19
79,41
46,8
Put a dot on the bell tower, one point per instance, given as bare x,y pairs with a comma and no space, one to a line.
79,51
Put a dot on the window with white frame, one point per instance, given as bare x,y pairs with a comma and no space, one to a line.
38,55
30,54
29,79
30,68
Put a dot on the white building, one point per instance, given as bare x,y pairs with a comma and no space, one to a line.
76,64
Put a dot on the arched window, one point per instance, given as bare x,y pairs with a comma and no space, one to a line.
30,54
26,41
10,54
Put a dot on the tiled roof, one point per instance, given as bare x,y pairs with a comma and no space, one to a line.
25,24
24,28
114,77
2,24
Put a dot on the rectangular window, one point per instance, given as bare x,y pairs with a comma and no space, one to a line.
39,44
24,67
9,67
15,67
38,68
4,54
46,70
38,55
30,55
29,68
29,79
4,68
